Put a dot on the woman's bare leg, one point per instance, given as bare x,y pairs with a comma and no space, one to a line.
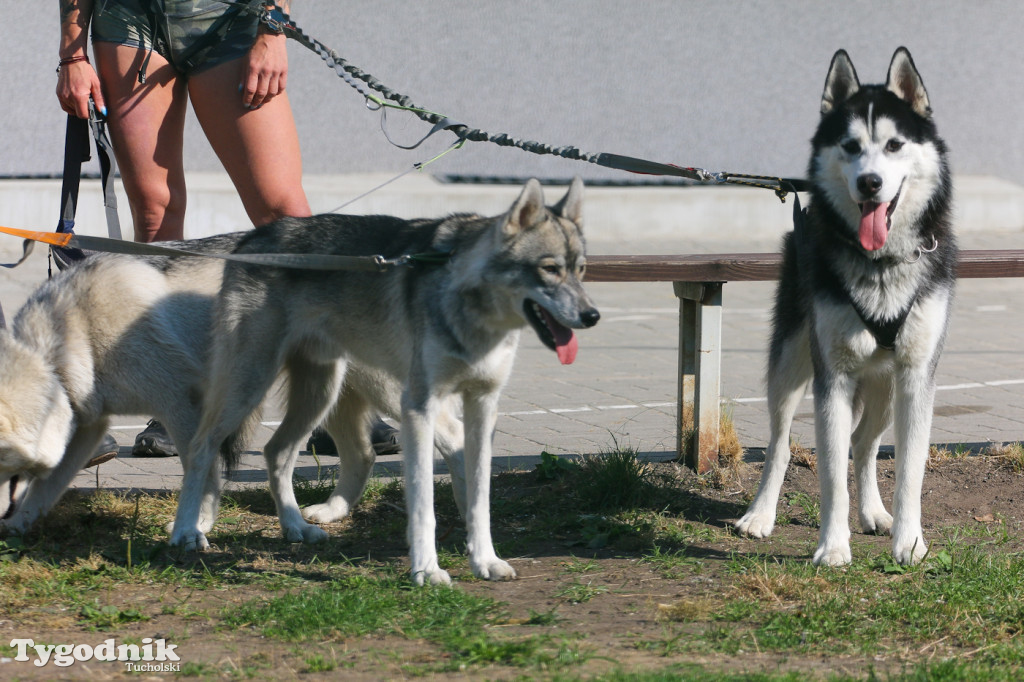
147,121
258,147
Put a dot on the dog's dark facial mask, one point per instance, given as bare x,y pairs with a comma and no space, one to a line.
857,119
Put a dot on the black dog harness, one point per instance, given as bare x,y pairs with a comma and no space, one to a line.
883,331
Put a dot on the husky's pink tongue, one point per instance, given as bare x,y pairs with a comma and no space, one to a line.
874,226
565,341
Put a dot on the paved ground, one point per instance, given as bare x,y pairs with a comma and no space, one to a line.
622,388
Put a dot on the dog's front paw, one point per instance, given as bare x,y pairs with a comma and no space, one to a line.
204,527
191,540
432,575
325,513
19,524
756,524
832,555
909,551
307,533
875,521
493,569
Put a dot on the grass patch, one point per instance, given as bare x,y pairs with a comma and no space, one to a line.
960,599
361,605
607,544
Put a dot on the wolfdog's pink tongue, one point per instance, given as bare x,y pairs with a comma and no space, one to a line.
565,341
566,348
874,227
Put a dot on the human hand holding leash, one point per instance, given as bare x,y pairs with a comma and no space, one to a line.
76,79
77,82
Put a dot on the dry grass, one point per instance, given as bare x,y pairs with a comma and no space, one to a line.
804,457
1010,455
729,446
687,610
779,588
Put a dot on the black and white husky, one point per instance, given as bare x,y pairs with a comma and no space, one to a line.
863,306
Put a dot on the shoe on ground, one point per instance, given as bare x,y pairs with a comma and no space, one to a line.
320,443
154,442
106,451
385,439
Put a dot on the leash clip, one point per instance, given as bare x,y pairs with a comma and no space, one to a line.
274,19
383,263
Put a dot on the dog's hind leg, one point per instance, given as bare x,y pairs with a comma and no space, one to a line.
312,390
789,371
348,423
480,412
875,397
42,493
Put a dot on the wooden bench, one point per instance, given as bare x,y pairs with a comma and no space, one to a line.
698,281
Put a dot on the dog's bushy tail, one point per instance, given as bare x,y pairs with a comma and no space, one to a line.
234,445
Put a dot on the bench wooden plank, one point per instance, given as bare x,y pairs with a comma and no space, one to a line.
763,267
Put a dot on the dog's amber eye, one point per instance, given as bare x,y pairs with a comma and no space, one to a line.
551,269
893,146
851,147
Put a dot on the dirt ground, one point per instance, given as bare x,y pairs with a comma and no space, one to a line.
617,627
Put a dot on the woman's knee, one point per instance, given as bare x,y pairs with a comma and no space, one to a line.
158,212
290,204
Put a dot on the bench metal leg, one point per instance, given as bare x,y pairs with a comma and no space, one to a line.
700,372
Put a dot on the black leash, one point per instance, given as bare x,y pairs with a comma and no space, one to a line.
77,152
75,247
363,83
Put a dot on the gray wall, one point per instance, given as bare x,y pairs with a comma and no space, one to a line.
723,85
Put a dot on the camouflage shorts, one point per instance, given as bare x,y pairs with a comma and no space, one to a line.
192,35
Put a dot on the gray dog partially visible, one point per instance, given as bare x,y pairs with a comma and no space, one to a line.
442,331
112,335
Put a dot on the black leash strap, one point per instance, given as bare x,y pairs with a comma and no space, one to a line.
77,152
363,83
299,261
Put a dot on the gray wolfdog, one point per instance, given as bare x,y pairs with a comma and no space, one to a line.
127,335
863,306
444,331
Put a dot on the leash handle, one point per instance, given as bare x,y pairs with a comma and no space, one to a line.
77,152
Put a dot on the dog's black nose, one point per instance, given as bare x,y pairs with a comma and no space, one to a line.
590,317
869,184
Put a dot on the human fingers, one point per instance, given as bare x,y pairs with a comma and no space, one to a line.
75,84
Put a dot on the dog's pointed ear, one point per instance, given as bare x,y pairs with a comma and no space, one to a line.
841,83
906,83
570,206
528,210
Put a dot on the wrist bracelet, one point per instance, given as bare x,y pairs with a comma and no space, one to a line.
73,60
